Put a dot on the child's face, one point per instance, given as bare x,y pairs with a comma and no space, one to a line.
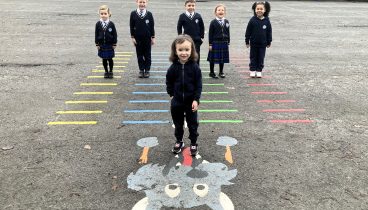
190,7
220,12
260,10
104,14
141,4
183,51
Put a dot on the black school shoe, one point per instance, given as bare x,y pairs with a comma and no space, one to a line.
111,75
106,75
213,75
140,75
177,147
222,75
193,149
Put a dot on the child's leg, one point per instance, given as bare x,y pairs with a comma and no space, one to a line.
147,56
221,74
261,56
212,70
104,63
111,64
253,59
192,121
139,50
198,50
177,114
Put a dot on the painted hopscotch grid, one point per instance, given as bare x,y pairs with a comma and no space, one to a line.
258,90
101,84
153,98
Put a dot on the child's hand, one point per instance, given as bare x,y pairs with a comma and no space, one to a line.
98,47
113,47
268,46
247,45
210,48
194,106
134,41
153,41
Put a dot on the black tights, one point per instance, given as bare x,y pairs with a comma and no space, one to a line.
212,67
111,64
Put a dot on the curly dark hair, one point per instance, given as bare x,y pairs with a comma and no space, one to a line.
266,5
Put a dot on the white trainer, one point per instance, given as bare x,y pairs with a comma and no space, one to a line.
252,74
259,74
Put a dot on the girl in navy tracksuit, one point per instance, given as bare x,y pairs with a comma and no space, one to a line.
184,85
259,36
219,41
142,31
106,39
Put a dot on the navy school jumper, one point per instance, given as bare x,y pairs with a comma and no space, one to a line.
143,30
194,27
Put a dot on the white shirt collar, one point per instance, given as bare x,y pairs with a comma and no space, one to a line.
218,19
144,11
188,14
107,21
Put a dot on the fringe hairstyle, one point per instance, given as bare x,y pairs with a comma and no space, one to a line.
266,5
179,40
189,1
104,7
220,5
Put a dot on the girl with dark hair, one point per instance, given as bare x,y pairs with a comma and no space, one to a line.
184,85
258,36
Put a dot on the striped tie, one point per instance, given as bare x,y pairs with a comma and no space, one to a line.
141,14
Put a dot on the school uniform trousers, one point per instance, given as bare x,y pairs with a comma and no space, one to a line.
142,30
256,56
143,50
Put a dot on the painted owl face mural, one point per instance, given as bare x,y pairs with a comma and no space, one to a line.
183,183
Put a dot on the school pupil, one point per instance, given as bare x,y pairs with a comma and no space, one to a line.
142,32
219,41
258,36
106,39
191,23
184,85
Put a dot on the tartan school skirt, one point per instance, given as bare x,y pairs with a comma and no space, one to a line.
219,53
106,51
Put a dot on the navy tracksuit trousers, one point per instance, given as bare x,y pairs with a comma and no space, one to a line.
177,113
257,55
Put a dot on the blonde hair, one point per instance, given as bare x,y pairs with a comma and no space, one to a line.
104,7
220,5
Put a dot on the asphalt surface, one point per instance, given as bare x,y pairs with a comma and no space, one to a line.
317,63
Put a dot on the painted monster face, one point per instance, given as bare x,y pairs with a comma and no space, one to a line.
183,183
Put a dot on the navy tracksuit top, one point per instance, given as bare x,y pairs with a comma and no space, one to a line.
184,82
258,32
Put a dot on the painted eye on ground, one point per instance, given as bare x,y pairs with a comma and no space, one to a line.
172,190
200,189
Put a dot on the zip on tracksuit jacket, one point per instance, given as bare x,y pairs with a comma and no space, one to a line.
184,82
